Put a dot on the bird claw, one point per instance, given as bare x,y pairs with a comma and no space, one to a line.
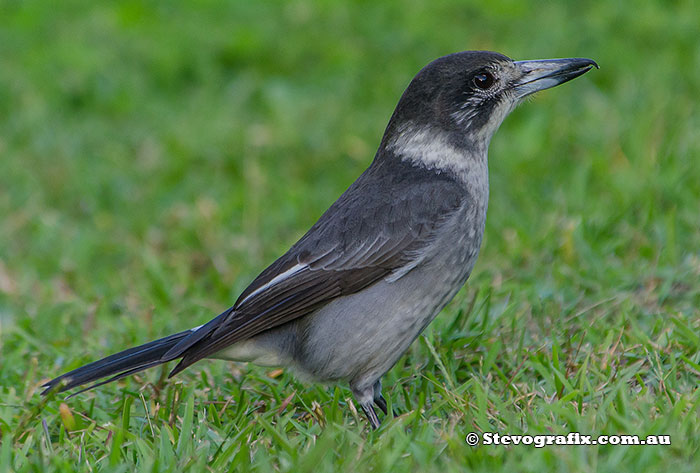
371,415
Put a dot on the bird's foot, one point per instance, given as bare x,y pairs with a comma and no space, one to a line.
371,415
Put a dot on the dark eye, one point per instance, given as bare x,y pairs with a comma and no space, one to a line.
484,80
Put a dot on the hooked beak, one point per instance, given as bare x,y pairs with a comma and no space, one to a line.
546,73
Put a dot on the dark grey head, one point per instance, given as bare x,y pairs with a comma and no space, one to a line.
458,101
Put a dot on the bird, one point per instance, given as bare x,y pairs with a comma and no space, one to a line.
345,302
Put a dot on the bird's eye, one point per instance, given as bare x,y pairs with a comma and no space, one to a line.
484,80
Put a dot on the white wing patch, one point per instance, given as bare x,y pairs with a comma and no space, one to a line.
280,277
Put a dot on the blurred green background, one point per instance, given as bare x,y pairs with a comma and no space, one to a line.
155,156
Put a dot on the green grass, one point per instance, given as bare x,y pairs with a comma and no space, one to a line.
155,156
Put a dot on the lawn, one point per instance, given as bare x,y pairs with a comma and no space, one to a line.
155,156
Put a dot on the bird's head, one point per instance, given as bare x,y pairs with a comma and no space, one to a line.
456,103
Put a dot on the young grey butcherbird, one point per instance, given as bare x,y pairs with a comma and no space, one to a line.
346,301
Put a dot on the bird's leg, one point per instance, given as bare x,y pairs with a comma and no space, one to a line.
378,398
380,401
365,397
381,404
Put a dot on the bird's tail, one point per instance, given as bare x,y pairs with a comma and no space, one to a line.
117,366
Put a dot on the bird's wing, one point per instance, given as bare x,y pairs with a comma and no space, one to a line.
376,229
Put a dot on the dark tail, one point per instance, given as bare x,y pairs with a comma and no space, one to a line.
118,365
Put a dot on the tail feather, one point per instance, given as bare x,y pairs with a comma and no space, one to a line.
119,365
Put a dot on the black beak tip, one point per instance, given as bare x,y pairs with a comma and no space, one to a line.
584,64
579,67
593,63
